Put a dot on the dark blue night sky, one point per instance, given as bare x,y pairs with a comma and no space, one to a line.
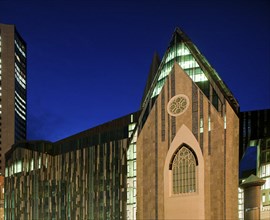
88,61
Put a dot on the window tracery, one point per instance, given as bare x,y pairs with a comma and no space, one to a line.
183,168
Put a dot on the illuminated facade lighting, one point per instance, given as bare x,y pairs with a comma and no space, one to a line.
152,164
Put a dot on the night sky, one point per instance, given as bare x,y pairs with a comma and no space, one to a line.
88,61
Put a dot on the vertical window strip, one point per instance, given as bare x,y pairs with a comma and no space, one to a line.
201,121
163,116
172,84
201,125
201,113
173,127
168,98
209,130
195,111
225,121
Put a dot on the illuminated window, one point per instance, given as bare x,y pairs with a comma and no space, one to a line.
225,122
18,167
183,166
134,165
201,125
39,162
32,165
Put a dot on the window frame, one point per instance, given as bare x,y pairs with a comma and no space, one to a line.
186,188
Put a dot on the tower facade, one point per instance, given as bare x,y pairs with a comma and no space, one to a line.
12,89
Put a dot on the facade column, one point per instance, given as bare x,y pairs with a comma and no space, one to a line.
252,197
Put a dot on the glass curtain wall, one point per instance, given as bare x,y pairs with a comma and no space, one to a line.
131,172
20,89
179,53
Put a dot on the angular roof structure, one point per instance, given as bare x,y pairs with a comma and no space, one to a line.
152,73
252,180
182,51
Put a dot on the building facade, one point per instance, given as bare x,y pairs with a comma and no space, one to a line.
255,156
81,177
13,79
177,158
189,131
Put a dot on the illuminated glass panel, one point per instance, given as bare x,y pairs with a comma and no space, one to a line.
18,112
267,183
131,172
20,88
18,166
240,204
201,125
184,172
32,165
225,122
19,48
21,99
184,58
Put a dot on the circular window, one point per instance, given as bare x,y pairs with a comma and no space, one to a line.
178,105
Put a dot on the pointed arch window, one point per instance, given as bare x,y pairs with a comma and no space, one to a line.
184,170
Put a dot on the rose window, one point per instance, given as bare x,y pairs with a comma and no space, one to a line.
177,105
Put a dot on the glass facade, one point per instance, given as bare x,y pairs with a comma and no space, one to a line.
240,204
255,133
20,88
264,172
132,173
180,53
81,177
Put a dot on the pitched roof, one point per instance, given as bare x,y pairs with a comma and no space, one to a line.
216,82
151,75
252,180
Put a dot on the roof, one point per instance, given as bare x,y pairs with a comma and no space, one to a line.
151,75
252,180
216,82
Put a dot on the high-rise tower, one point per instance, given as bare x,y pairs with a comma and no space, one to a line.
12,89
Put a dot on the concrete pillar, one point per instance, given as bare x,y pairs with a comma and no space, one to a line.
252,197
